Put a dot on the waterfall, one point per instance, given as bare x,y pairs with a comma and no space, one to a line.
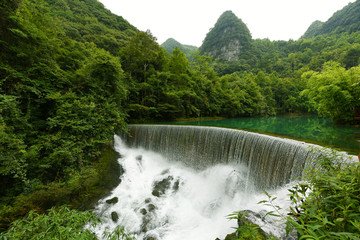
180,182
270,161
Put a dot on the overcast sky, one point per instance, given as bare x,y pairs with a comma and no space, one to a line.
188,21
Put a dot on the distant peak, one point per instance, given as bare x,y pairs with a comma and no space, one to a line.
228,38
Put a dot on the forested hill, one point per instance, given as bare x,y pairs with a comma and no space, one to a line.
229,38
89,21
344,20
170,44
62,95
313,30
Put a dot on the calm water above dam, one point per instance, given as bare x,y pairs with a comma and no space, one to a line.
312,129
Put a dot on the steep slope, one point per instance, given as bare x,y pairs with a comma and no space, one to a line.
313,29
89,21
228,39
61,97
344,20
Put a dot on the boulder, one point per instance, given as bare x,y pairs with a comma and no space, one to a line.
151,207
112,200
143,211
114,216
176,185
246,220
160,187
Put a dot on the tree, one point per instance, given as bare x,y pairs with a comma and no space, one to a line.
178,63
335,90
142,56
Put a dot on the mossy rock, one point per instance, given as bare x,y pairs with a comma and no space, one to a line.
161,186
231,236
151,207
247,227
143,211
112,200
114,216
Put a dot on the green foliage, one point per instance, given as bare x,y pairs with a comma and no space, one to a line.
344,20
178,63
89,21
118,234
170,44
61,223
335,90
72,73
81,191
55,92
328,206
142,56
246,230
313,30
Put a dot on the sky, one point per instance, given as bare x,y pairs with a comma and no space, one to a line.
188,21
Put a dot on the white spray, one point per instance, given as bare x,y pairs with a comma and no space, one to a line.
165,200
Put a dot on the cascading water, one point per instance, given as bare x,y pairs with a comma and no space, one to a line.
182,182
271,161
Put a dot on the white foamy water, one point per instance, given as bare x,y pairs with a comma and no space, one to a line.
194,205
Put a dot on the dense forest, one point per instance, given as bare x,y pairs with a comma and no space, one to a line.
72,73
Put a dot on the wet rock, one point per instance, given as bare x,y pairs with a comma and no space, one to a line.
148,200
160,187
121,170
233,183
139,158
145,221
249,218
114,216
151,207
143,211
112,200
176,185
152,236
166,171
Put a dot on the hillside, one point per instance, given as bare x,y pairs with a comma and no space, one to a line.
313,29
344,20
89,21
62,96
170,44
228,39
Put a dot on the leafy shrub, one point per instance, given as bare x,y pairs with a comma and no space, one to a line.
327,206
61,223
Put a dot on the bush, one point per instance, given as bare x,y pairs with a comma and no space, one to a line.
327,206
61,223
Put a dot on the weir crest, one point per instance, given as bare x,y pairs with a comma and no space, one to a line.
270,161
